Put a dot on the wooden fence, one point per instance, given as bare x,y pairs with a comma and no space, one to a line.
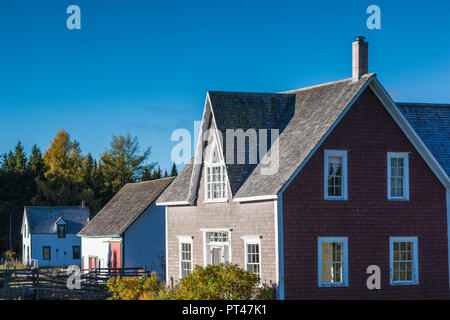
49,284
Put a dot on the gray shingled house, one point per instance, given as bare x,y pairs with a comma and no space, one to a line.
129,231
49,235
358,178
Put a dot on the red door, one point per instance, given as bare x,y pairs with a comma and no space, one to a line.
93,263
115,261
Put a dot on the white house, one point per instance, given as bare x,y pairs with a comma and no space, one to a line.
49,235
129,232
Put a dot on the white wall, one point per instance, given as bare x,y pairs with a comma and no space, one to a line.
58,258
96,247
144,241
26,242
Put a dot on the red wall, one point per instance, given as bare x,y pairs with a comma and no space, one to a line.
367,218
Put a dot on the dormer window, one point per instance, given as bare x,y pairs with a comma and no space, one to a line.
61,230
215,178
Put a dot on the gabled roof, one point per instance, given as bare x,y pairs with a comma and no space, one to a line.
432,123
124,208
42,220
302,117
316,110
244,110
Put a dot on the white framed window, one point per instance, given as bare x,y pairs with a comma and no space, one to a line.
253,254
217,246
398,176
404,260
186,258
216,185
335,175
333,261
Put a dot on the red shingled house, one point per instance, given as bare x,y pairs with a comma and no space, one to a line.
361,181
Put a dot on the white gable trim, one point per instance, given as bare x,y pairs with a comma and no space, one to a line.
401,121
208,114
325,136
412,136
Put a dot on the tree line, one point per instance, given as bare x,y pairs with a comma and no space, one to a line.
63,176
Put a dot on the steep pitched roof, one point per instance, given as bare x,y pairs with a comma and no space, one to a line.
124,208
302,116
42,220
178,190
432,123
241,110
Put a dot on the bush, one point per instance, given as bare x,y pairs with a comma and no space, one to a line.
135,288
221,282
266,292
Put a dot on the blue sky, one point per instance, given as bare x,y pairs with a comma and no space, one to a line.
145,66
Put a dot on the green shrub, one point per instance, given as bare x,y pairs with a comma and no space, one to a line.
221,282
135,288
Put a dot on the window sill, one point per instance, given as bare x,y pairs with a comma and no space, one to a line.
405,283
398,199
336,199
216,201
332,285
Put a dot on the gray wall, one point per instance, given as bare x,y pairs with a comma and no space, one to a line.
245,219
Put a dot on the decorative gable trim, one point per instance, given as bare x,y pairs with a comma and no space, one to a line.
410,133
208,117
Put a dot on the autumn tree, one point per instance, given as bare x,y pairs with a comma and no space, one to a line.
64,172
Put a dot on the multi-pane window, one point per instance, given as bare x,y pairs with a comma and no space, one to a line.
186,265
217,236
76,252
333,261
335,175
404,260
215,178
61,230
253,257
46,253
398,178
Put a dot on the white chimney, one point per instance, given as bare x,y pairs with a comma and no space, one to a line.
360,57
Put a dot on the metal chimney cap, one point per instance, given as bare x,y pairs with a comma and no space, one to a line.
360,38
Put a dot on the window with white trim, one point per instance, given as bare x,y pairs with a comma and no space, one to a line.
404,260
335,175
398,176
216,189
186,265
217,246
253,255
332,261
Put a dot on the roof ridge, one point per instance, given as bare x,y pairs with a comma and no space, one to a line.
133,183
423,104
367,75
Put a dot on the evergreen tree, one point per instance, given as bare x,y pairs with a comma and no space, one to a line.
146,174
123,162
36,162
20,158
166,174
157,174
174,171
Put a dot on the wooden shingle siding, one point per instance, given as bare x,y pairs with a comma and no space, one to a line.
368,219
